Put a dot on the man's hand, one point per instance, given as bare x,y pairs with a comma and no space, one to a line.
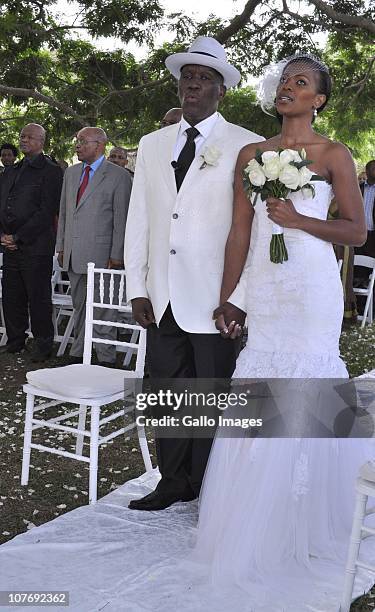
229,320
8,242
60,258
115,264
143,312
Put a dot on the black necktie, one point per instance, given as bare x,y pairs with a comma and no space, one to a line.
186,156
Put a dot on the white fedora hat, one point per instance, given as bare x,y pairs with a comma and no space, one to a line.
205,51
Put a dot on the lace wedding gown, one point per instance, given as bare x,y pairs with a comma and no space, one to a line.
275,514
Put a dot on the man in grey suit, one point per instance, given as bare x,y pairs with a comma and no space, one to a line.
93,210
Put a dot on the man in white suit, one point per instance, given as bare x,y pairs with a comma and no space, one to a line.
179,218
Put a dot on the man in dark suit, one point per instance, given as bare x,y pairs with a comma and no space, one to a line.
29,200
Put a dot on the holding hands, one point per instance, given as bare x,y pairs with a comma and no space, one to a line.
8,242
283,213
229,320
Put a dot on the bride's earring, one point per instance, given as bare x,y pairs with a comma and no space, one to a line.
315,113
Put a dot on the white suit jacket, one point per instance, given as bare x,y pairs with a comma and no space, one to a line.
175,242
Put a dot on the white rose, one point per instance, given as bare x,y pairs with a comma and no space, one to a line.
271,164
289,176
304,176
288,156
255,173
267,155
211,155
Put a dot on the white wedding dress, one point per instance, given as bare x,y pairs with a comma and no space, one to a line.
275,514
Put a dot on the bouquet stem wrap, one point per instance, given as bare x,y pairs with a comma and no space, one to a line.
278,250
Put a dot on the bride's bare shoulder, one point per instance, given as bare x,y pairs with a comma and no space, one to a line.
334,152
248,151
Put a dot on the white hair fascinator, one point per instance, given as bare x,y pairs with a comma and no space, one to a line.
266,90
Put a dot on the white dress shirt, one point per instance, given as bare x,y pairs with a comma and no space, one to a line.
93,167
368,202
205,128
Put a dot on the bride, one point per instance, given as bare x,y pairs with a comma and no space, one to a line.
275,515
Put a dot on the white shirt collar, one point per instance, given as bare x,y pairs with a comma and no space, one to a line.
204,126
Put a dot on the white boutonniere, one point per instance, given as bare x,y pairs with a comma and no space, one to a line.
210,157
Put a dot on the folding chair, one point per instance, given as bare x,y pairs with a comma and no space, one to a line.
62,307
366,262
88,386
365,489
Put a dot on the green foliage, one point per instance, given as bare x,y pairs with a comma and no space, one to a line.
350,116
240,106
43,52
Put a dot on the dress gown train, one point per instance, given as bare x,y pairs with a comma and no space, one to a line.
275,514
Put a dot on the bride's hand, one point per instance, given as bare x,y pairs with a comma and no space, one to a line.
283,213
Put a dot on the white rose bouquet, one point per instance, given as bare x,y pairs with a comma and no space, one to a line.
275,174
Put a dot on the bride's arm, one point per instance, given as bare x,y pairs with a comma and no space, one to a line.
350,228
237,245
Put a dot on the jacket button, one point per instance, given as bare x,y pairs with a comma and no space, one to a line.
175,216
172,252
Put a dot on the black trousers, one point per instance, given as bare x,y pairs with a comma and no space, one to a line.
26,286
175,353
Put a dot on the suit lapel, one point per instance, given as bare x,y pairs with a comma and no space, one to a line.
167,141
73,184
216,139
99,175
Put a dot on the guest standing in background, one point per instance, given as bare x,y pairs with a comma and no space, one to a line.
29,200
171,117
93,209
8,155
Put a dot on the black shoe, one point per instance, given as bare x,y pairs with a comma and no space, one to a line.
158,501
9,348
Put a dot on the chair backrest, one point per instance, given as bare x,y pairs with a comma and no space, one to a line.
106,289
365,261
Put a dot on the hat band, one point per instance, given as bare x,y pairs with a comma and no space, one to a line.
203,53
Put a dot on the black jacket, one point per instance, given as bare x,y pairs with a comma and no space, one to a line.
29,202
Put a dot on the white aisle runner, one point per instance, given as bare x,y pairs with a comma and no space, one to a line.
117,560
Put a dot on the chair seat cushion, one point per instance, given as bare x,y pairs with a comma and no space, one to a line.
79,380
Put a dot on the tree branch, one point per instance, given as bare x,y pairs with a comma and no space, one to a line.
32,93
238,22
133,90
305,18
361,84
352,21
